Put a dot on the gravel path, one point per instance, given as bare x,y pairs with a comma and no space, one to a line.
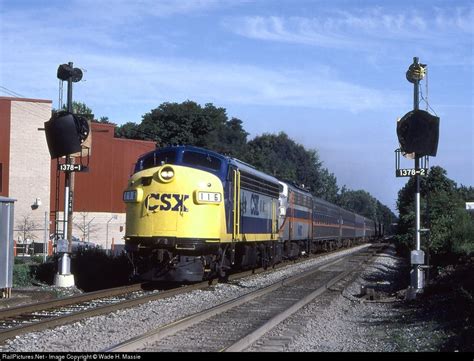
336,322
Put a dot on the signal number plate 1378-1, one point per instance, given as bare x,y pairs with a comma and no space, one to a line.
211,197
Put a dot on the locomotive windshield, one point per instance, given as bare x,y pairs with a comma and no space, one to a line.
155,159
180,156
202,160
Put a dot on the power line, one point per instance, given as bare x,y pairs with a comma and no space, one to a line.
13,93
25,109
28,109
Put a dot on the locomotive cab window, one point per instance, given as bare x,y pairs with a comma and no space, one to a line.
202,160
155,160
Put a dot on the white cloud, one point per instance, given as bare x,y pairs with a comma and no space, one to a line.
127,79
289,30
363,29
116,77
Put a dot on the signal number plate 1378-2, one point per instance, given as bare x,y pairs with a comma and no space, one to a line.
411,172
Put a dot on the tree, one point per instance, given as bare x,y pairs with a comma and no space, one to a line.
27,227
103,120
273,154
328,185
79,108
86,227
386,217
189,123
363,203
82,109
466,193
230,138
173,123
463,232
442,212
360,202
130,130
281,157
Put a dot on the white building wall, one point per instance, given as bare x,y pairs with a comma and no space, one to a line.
100,228
29,177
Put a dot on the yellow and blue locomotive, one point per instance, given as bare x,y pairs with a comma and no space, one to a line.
193,213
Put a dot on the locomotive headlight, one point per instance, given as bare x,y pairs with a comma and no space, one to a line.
166,174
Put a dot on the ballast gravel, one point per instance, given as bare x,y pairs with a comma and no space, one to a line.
330,326
341,320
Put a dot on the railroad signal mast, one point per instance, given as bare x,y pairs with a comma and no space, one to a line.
418,134
65,135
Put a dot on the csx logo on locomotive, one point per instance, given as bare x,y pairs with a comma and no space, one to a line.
166,202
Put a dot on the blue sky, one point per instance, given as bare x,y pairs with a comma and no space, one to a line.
331,74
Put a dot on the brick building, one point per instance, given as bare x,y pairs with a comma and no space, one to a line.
25,163
99,212
28,174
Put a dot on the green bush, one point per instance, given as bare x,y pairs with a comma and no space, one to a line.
93,269
36,259
20,260
443,212
463,233
22,275
403,244
45,272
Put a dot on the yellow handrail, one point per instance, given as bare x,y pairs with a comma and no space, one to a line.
236,218
274,221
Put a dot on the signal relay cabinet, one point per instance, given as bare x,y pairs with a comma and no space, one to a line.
6,245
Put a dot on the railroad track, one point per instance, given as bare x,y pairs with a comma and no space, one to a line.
43,315
39,316
237,324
